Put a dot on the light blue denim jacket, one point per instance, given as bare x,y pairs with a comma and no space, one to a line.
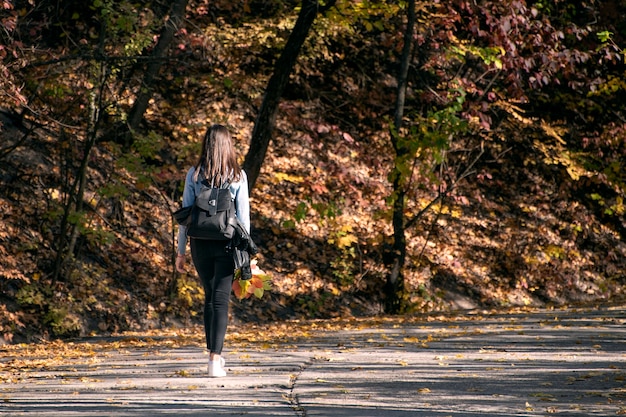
239,191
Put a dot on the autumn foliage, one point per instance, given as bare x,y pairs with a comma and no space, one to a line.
514,131
255,286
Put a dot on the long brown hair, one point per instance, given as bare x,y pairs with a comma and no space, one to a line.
218,160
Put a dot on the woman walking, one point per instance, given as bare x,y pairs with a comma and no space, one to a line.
217,166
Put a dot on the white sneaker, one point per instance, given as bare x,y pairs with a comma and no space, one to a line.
216,368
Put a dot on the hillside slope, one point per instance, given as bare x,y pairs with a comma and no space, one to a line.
516,236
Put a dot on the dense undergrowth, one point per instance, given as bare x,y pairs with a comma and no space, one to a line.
533,227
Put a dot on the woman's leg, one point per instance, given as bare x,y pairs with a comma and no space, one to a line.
204,264
215,268
220,298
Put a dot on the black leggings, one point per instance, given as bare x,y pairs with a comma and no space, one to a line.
215,268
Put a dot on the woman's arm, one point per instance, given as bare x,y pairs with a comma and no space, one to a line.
189,196
242,201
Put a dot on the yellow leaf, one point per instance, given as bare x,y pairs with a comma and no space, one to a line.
346,241
282,176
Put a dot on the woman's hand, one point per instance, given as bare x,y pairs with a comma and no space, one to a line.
180,263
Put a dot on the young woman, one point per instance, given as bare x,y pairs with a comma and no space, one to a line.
216,165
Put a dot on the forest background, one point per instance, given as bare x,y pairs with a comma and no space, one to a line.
404,156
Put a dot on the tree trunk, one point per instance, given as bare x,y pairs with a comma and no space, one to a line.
123,134
395,289
69,230
265,121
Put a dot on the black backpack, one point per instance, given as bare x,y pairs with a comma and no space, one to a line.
212,214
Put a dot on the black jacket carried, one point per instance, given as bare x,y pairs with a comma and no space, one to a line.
242,248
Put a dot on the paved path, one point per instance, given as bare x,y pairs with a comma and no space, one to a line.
568,363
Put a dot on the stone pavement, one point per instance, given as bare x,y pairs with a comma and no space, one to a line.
567,363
